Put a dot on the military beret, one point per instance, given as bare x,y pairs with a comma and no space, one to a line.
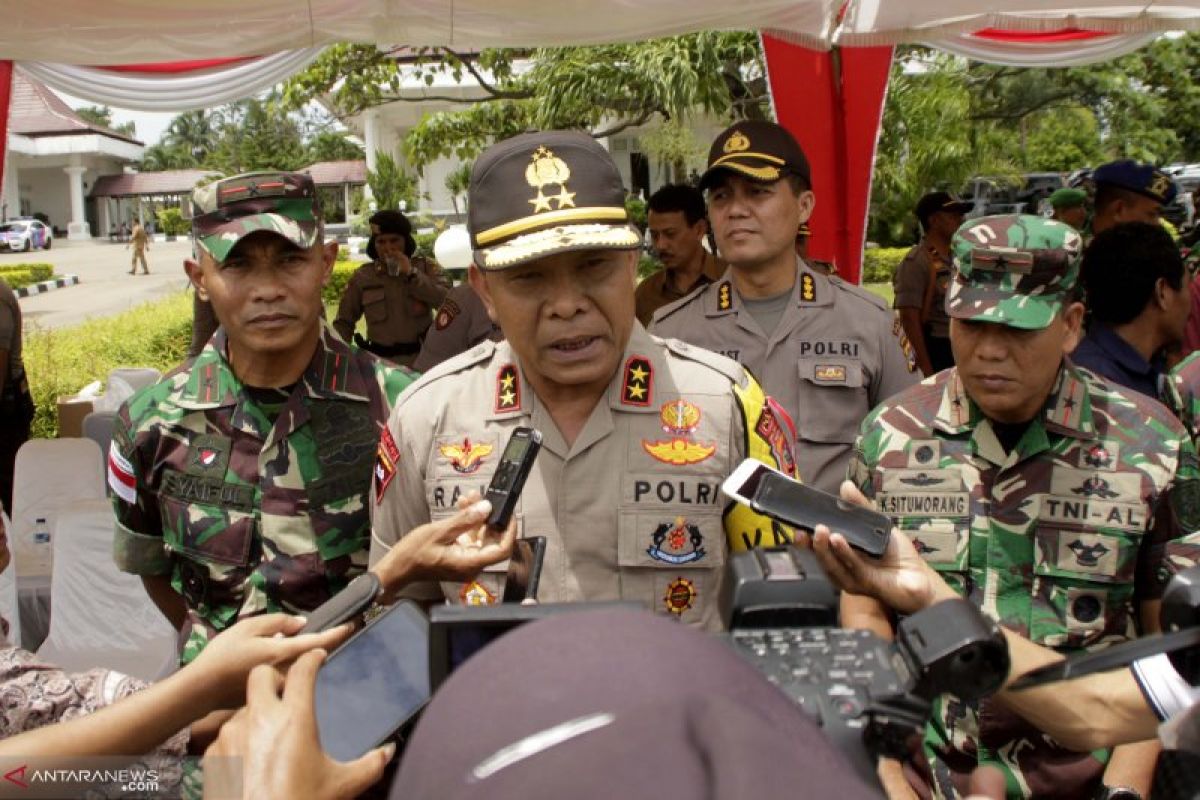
1068,198
226,210
1145,179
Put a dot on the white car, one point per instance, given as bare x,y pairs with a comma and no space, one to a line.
25,234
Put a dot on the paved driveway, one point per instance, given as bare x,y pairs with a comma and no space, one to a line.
105,286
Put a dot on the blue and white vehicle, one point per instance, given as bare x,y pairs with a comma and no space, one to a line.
25,234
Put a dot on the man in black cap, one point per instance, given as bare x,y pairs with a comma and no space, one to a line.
1127,191
923,277
827,350
396,292
636,434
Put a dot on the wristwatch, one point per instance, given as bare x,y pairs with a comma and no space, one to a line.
1117,793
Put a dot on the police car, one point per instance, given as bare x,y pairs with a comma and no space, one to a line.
25,234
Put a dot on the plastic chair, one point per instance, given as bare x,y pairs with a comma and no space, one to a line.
102,617
98,426
51,476
136,377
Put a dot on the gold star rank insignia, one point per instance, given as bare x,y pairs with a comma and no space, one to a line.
636,388
808,288
724,297
508,389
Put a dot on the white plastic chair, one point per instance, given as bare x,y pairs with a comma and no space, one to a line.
98,426
51,475
102,617
8,595
136,377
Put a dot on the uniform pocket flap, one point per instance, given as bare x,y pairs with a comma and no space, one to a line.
666,541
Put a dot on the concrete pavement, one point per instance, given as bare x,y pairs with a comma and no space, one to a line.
105,286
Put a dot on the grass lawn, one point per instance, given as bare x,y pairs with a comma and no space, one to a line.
884,290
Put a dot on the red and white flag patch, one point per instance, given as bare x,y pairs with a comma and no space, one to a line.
121,479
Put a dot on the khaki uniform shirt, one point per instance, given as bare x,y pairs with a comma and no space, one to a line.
632,510
656,291
911,283
398,309
836,354
461,323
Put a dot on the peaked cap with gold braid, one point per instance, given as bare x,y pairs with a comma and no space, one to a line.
759,150
538,194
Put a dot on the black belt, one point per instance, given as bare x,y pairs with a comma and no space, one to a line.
401,349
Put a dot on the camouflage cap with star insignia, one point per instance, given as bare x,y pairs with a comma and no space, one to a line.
539,194
226,210
1013,269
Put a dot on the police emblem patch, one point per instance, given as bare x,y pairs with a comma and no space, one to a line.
476,594
679,452
679,417
386,459
508,389
829,373
446,314
637,386
678,542
680,596
465,458
1098,456
778,436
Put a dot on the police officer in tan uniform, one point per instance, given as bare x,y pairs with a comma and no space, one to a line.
827,350
397,292
638,433
461,322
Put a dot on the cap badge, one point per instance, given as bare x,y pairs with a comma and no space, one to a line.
1160,185
547,169
736,143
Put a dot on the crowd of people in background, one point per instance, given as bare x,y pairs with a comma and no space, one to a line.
1025,413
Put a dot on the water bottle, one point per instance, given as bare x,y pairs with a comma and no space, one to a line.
40,537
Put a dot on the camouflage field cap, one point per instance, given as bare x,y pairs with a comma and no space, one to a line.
1013,269
543,193
226,210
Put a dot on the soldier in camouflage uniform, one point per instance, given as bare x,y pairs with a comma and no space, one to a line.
240,481
1181,393
1057,502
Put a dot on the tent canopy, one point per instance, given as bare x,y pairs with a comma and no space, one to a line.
134,32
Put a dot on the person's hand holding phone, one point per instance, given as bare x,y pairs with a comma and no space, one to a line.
452,549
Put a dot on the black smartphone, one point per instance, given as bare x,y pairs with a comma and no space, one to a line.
343,606
371,687
524,570
509,480
770,492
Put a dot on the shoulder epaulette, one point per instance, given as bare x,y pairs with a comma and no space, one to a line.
452,366
861,293
731,369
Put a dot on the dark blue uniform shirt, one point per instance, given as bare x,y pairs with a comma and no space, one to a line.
1108,355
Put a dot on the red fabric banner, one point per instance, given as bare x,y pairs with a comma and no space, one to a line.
1031,37
832,103
176,67
6,68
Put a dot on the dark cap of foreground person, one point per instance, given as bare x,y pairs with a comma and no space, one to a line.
616,703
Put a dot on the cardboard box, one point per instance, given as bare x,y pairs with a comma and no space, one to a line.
71,411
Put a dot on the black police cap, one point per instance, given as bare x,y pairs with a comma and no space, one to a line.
760,150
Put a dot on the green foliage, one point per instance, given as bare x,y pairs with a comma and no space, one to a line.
425,243
637,209
256,135
647,266
880,263
333,146
172,223
603,88
40,272
458,180
390,184
675,144
102,116
342,270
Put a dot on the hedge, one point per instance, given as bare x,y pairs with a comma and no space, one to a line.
880,263
155,334
18,275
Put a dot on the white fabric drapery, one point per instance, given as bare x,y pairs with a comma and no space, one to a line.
172,92
1042,54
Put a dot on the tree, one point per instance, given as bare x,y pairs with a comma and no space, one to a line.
390,184
333,146
604,89
458,180
102,116
256,135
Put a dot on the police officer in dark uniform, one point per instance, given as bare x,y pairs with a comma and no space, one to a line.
396,292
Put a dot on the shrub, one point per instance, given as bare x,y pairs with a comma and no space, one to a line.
880,263
172,223
425,243
40,272
342,270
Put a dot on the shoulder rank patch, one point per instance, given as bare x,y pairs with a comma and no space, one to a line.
808,288
446,314
910,355
724,296
637,387
465,458
508,388
680,596
386,458
778,437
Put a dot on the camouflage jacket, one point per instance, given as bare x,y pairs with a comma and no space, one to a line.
1181,393
1096,503
246,516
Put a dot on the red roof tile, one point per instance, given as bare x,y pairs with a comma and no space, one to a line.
34,110
173,181
335,173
